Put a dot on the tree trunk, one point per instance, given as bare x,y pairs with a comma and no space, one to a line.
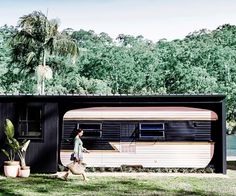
43,77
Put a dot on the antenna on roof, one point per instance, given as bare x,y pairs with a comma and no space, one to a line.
47,13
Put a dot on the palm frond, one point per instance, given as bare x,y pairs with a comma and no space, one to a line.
30,57
53,27
49,45
22,35
36,18
63,45
35,24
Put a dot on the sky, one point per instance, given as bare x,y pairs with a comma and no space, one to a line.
154,19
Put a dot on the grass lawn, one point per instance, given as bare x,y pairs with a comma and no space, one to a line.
43,184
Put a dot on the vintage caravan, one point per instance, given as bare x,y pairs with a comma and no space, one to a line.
142,136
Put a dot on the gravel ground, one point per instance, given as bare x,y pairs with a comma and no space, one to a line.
148,175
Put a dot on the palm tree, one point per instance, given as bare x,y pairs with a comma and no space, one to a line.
37,38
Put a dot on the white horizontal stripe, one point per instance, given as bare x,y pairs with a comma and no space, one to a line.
141,113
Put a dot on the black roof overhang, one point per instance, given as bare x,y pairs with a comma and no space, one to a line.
112,98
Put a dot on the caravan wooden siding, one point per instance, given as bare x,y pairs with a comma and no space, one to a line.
158,154
147,136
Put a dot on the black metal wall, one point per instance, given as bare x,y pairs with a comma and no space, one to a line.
43,155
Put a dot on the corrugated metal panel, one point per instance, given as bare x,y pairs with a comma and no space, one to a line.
188,130
111,131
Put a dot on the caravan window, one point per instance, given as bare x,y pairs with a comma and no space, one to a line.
151,130
90,126
91,130
151,126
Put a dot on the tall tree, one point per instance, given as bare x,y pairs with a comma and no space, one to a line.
38,37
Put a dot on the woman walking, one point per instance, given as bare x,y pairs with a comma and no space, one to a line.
78,147
77,166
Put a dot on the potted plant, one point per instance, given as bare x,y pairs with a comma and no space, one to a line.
24,170
11,166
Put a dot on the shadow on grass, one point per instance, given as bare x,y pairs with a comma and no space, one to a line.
43,183
137,187
93,187
199,192
7,192
35,183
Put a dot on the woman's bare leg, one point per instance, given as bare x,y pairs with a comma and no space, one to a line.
65,176
84,176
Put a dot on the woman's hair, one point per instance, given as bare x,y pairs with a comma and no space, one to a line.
74,133
79,130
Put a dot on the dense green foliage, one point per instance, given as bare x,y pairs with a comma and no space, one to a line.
202,62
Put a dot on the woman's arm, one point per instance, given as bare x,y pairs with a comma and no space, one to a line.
85,150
